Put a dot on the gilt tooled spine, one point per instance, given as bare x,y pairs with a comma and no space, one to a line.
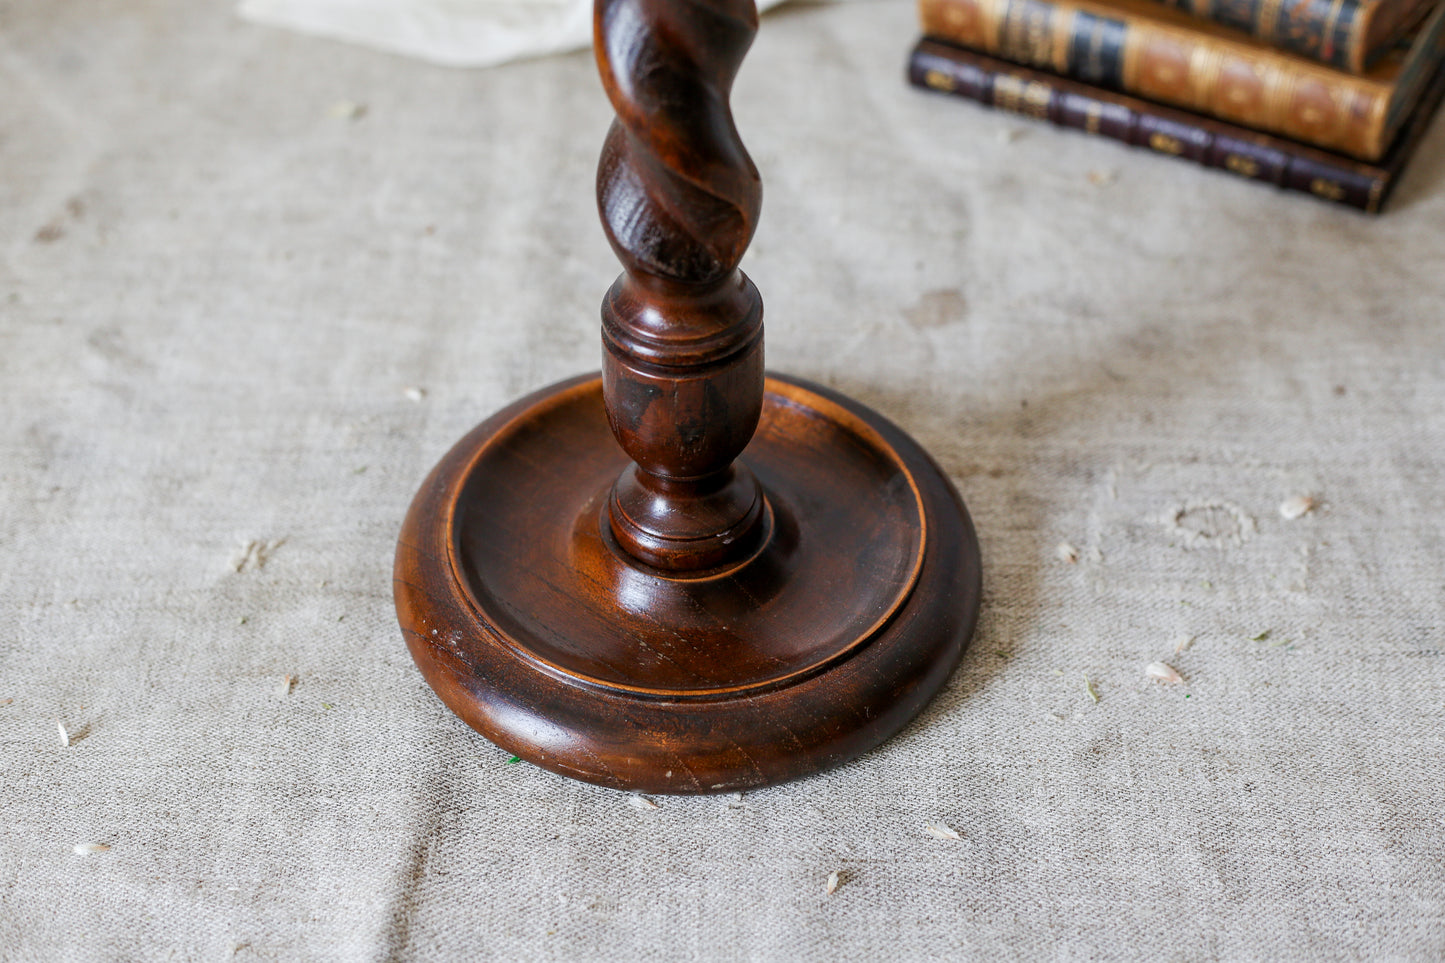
1209,143
1115,46
1333,32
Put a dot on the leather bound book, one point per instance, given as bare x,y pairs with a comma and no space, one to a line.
1156,52
1346,34
1175,133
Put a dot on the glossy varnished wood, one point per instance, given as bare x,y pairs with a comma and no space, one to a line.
682,328
677,576
545,636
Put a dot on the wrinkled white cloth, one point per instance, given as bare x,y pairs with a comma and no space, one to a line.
454,33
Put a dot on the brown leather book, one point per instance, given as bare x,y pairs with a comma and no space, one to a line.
1346,34
1175,133
1156,52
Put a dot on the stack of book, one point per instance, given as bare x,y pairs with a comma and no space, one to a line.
1329,97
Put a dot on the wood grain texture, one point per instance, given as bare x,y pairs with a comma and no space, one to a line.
683,327
546,637
679,576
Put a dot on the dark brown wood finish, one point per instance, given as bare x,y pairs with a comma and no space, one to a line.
682,372
682,576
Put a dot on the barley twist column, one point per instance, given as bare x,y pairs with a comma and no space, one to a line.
682,327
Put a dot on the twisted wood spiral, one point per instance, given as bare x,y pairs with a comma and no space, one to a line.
678,193
682,327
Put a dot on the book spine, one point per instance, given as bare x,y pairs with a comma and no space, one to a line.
1332,32
1234,80
1164,131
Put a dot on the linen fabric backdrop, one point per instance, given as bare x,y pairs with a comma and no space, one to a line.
254,284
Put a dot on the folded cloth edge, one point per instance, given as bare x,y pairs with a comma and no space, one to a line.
451,33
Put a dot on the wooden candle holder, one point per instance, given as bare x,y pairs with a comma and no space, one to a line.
684,576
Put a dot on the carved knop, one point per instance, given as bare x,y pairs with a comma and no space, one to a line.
682,330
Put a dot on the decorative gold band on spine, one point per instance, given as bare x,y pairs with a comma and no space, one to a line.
1279,94
1064,26
1129,69
1332,18
1205,66
991,13
1266,19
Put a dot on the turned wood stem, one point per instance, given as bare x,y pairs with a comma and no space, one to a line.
683,632
682,329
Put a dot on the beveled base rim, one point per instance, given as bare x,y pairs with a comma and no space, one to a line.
641,741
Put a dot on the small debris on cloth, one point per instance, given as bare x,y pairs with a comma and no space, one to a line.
6,702
1009,134
735,801
64,735
641,802
1067,553
1296,506
414,393
941,831
1163,672
88,849
1182,643
288,682
347,110
1103,178
254,554
1089,688
831,886
1261,636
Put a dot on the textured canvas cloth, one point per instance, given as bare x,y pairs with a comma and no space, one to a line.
252,285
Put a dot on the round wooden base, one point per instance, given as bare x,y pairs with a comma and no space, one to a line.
541,633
